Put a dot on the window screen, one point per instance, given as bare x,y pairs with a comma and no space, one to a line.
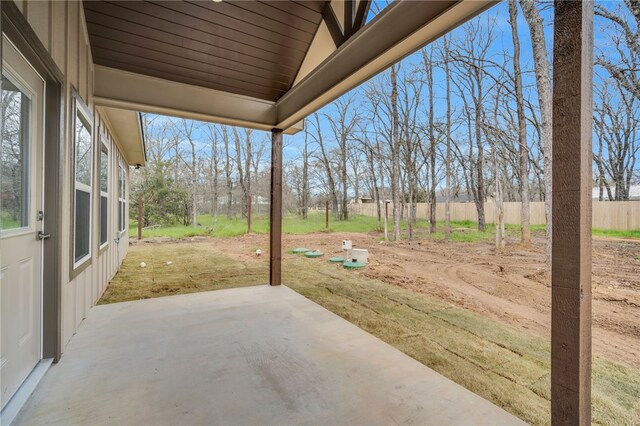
83,174
122,219
83,223
104,194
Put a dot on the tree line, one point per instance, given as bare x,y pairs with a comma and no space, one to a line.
469,118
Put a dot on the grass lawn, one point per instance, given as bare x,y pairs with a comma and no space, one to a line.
292,224
500,363
463,231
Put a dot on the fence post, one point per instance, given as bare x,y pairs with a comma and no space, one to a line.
140,201
386,220
249,214
326,214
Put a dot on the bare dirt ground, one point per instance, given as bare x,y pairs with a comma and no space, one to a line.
511,287
514,288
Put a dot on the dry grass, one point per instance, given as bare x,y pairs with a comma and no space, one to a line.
193,268
498,362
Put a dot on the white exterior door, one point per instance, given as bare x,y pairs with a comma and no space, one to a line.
22,199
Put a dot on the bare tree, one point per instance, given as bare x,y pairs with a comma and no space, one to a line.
522,126
243,151
212,134
543,82
187,131
617,127
342,126
410,90
305,175
471,55
395,152
447,200
624,68
428,61
227,170
326,164
494,134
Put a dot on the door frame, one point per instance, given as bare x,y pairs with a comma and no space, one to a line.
17,29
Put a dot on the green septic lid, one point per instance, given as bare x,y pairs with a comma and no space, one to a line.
354,265
314,254
300,250
336,259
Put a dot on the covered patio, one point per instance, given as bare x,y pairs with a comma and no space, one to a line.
266,355
253,355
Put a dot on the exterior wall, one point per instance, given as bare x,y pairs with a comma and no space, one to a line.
616,215
62,30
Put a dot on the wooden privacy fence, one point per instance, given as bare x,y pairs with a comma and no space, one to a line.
618,215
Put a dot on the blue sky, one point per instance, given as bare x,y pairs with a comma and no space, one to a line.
498,18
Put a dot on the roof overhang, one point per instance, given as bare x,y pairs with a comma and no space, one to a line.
120,89
126,128
400,29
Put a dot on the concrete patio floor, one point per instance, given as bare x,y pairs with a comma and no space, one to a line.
246,356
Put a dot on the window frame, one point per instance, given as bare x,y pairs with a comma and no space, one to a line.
81,111
122,198
104,147
10,74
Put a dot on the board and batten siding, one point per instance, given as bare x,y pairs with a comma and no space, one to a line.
61,28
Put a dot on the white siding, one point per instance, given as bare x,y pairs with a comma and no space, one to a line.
61,28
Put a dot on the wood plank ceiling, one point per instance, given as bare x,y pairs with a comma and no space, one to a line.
252,48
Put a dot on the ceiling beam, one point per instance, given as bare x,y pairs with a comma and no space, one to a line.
354,19
361,15
333,24
348,18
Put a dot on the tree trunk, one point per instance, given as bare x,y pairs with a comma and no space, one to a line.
214,175
241,173
480,197
227,171
522,126
305,175
382,197
194,184
395,161
344,214
543,82
432,151
247,166
327,167
447,200
498,195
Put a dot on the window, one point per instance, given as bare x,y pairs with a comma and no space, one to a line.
14,165
82,183
104,194
122,218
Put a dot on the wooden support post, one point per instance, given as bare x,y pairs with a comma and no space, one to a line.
275,236
249,214
326,214
386,220
140,201
571,212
